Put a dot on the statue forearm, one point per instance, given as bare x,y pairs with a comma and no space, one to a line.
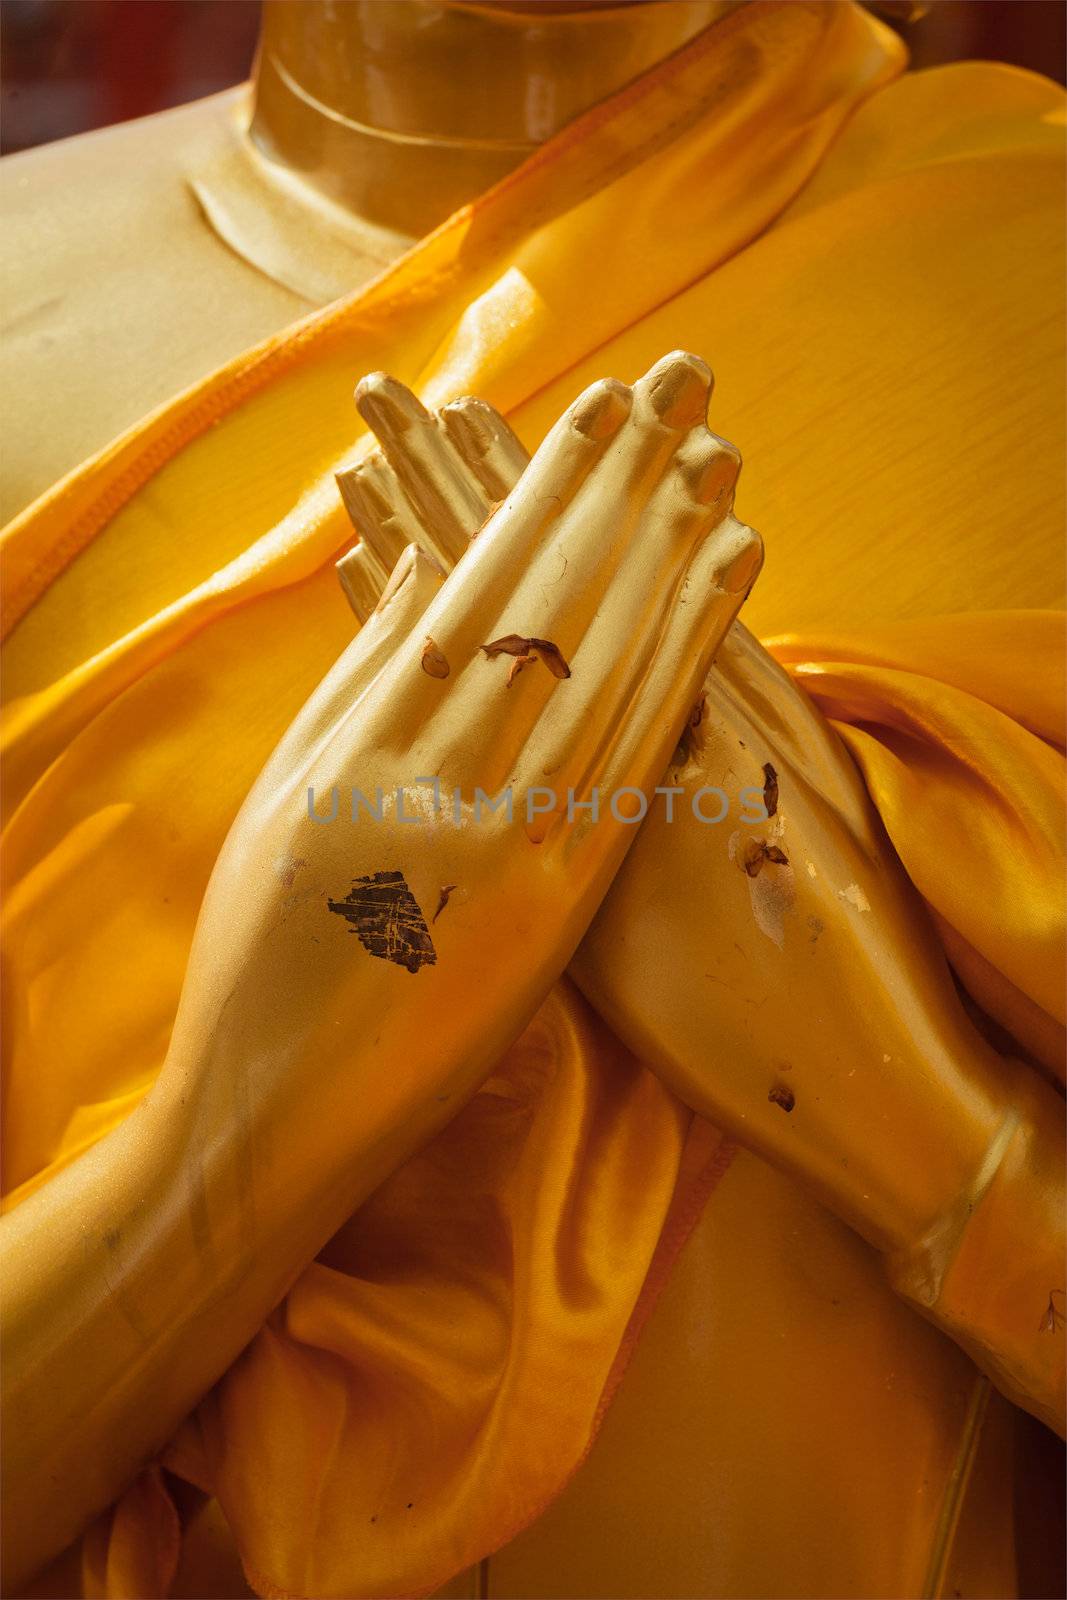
121,1306
338,1010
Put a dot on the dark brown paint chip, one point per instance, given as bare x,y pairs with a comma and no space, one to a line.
782,1096
770,789
758,852
382,910
511,644
516,644
433,660
446,895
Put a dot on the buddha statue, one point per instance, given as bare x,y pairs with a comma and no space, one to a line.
780,1146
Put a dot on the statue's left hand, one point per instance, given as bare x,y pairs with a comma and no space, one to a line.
374,934
351,982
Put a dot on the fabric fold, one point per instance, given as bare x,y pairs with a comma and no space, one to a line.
970,785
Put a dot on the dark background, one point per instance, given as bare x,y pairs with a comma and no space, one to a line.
71,65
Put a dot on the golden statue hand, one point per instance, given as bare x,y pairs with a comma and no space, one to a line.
811,1012
411,844
352,981
780,973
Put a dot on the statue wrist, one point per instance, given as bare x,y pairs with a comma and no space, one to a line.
990,1271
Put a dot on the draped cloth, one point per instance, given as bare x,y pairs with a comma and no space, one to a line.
957,724
777,198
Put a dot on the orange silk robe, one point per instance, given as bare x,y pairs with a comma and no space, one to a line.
872,263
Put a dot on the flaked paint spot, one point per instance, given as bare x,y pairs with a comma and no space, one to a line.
770,789
383,912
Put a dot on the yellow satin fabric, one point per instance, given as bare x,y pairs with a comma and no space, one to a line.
957,724
135,1550
890,362
409,1401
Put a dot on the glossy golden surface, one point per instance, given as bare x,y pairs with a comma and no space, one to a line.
880,348
813,916
482,87
618,549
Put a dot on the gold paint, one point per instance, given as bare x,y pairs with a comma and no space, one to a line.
481,88
887,1033
123,196
179,1231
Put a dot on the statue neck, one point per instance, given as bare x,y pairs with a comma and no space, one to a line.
403,110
